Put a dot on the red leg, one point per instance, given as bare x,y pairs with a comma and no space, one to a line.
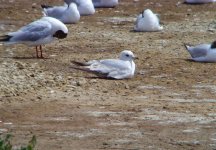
37,52
41,51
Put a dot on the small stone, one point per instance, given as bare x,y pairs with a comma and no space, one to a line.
69,77
81,82
104,143
39,97
93,81
76,95
32,75
105,91
126,86
19,65
34,5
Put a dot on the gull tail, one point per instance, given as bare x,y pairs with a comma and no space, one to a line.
98,74
190,50
46,6
187,46
5,38
85,70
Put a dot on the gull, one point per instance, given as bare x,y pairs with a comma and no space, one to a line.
203,52
199,1
105,3
85,7
147,21
67,13
121,68
37,33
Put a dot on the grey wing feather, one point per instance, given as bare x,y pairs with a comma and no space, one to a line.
114,63
197,52
117,69
32,32
110,68
108,65
55,12
158,16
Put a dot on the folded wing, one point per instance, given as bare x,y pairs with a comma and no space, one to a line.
32,32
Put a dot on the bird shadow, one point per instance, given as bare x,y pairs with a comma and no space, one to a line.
135,31
190,60
97,75
17,57
195,4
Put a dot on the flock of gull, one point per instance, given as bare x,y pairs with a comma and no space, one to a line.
52,26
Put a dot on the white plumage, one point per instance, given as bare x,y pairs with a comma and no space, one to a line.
66,14
121,68
105,3
85,7
147,21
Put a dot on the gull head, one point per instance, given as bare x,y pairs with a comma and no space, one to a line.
213,45
127,55
59,29
147,12
60,34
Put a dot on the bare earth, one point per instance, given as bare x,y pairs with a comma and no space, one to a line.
169,104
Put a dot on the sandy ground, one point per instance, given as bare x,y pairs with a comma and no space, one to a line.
169,104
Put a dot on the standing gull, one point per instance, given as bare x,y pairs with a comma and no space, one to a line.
67,13
203,52
121,68
37,33
147,21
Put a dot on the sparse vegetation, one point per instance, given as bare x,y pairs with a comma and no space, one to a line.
5,143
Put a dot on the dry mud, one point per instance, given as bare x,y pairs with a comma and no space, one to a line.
169,104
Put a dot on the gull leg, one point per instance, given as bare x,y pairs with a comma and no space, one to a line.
41,51
37,52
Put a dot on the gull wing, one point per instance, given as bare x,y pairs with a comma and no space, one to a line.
199,50
55,12
108,65
32,32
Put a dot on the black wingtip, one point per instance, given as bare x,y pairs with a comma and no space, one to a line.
5,38
213,45
185,45
46,6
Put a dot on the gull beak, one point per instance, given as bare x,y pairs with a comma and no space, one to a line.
135,57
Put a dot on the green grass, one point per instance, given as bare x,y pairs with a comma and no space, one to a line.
5,143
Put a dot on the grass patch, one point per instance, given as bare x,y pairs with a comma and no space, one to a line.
5,143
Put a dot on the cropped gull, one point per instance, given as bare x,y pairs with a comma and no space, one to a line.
37,33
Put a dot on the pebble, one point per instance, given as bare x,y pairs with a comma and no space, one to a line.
93,81
81,82
19,65
127,86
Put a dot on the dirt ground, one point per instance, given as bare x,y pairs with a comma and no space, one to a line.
169,104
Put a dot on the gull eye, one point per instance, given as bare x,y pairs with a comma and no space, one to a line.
127,55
